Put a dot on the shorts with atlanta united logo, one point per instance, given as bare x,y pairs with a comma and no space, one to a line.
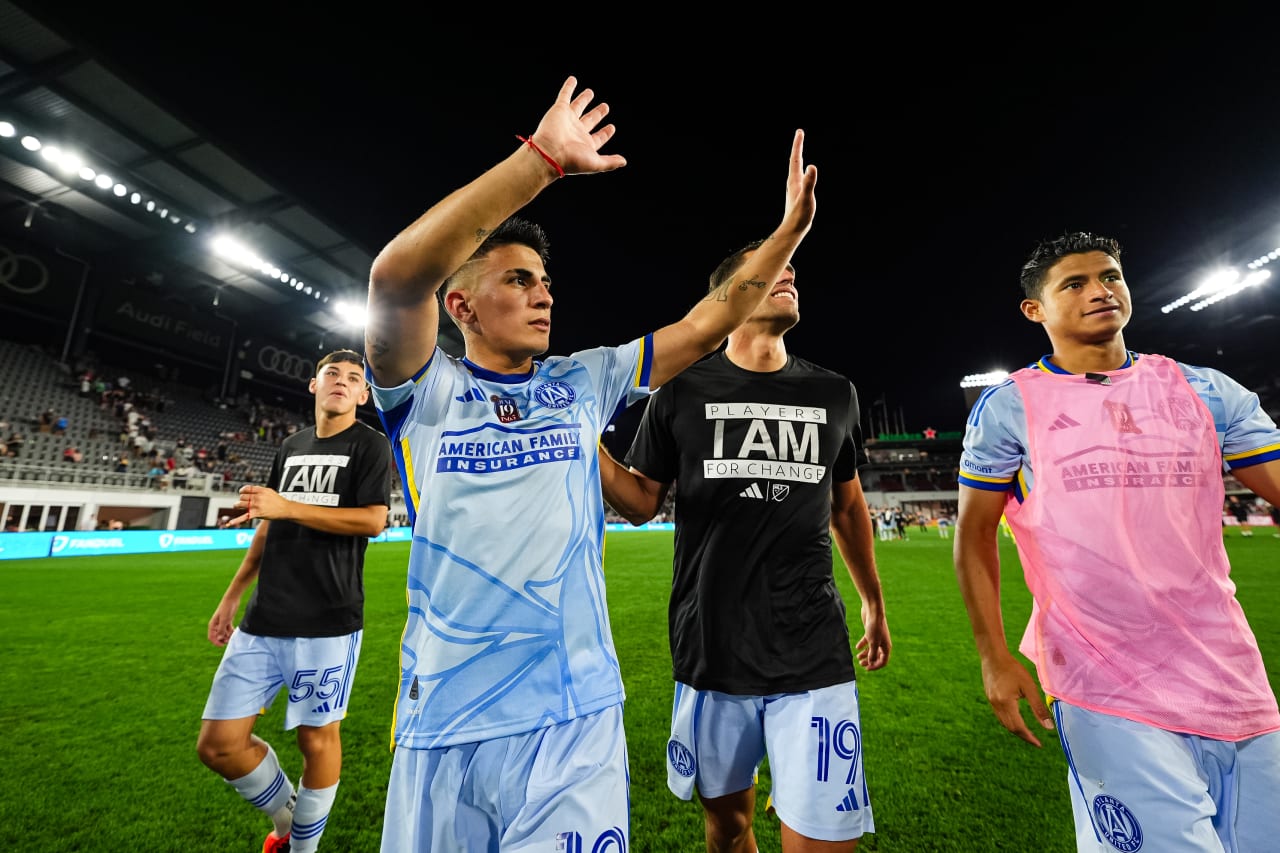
1136,787
316,672
813,741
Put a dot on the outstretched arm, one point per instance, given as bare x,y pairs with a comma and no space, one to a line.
976,551
851,527
633,495
403,316
706,326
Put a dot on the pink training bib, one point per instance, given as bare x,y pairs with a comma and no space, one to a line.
1121,544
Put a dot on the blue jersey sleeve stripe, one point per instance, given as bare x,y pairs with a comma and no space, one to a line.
393,419
987,485
644,365
417,377
1257,456
404,461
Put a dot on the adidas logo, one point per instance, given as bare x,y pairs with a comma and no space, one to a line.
473,395
752,491
849,803
322,708
1062,421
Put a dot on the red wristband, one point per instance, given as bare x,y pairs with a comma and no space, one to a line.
545,156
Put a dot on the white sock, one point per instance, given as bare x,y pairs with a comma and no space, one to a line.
310,815
267,789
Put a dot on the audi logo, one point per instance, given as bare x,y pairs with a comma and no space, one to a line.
22,273
286,364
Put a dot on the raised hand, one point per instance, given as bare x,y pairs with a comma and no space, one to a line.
568,133
802,180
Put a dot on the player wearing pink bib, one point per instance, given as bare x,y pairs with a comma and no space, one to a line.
1107,465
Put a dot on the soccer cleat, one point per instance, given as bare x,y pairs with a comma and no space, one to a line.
276,844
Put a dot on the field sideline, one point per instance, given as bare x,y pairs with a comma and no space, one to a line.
107,668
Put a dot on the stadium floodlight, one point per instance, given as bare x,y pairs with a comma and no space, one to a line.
1251,280
350,314
7,129
31,143
1215,282
982,380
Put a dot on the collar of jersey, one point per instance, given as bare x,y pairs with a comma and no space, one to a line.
1049,367
493,376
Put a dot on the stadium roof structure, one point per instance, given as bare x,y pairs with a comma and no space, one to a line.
131,178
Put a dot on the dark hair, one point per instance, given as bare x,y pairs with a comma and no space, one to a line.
1049,252
730,264
346,356
513,230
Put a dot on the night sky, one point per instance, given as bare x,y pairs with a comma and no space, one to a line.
945,148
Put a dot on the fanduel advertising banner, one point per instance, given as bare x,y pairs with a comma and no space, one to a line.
141,315
146,541
17,546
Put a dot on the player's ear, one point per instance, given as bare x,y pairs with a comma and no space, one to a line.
1032,310
455,302
311,386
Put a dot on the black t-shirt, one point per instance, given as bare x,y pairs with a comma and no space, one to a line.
754,606
311,583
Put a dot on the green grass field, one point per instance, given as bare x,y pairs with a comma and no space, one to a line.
106,668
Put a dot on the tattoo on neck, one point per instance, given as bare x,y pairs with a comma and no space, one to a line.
481,233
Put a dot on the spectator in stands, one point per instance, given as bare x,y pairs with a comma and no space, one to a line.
60,425
72,454
182,475
122,463
14,444
769,649
157,477
328,494
557,707
1152,675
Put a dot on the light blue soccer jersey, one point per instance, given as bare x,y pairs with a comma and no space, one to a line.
995,456
508,629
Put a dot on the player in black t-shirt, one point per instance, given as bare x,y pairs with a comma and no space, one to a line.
326,496
765,448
